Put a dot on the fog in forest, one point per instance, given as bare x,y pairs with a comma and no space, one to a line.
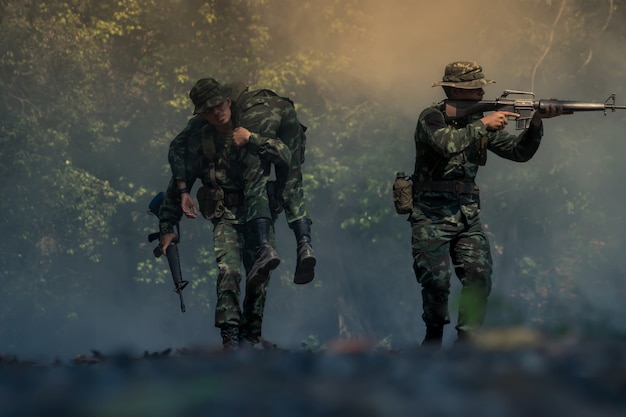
409,45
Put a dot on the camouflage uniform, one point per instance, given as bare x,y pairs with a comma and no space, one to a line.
445,220
232,241
267,116
253,176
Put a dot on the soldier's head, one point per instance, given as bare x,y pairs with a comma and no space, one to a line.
212,101
463,80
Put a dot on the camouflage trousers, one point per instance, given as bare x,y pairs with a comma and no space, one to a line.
234,245
289,183
289,187
441,234
255,177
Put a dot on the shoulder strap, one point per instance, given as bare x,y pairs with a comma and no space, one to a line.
208,147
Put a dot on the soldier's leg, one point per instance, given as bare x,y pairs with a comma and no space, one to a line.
300,222
431,264
472,261
289,184
306,260
255,177
266,256
253,308
254,299
259,218
228,256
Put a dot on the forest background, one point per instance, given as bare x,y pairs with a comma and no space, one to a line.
92,92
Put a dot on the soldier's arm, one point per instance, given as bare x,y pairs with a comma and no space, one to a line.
270,149
171,211
516,148
178,147
445,139
273,150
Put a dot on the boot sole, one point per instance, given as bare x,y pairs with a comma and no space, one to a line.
306,272
260,275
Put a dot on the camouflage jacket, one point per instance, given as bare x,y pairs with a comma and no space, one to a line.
229,165
454,152
248,110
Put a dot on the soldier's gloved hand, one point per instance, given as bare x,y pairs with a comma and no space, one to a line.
188,206
166,240
241,136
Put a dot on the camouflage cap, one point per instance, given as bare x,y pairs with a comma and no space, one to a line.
206,93
463,74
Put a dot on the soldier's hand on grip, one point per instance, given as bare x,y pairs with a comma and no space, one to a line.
498,120
166,240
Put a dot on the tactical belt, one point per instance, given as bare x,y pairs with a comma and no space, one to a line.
233,199
456,187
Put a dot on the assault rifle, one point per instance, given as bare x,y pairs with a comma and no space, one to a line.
171,253
456,109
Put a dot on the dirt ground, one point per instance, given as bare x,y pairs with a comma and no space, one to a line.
507,374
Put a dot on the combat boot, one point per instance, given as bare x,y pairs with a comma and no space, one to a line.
464,337
433,337
305,266
230,337
266,256
246,343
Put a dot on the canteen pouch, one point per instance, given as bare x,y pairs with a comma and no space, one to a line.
403,193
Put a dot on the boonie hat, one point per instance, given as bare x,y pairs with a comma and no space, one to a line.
463,74
206,93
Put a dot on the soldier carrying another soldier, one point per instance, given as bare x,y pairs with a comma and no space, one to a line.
231,145
250,117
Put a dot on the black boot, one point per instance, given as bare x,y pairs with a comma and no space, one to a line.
463,337
305,266
434,335
266,256
230,337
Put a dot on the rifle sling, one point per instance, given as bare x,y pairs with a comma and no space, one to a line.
208,147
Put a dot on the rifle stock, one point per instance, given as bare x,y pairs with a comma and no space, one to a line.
173,258
457,109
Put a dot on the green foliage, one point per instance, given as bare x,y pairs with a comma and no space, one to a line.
312,344
92,92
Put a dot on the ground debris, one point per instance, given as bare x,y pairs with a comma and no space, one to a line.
157,355
95,357
12,360
513,373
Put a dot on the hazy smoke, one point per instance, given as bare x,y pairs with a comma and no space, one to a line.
402,50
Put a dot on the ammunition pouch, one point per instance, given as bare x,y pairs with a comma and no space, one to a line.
214,202
233,199
275,200
211,202
403,193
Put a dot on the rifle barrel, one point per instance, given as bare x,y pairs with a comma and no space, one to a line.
577,106
456,109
